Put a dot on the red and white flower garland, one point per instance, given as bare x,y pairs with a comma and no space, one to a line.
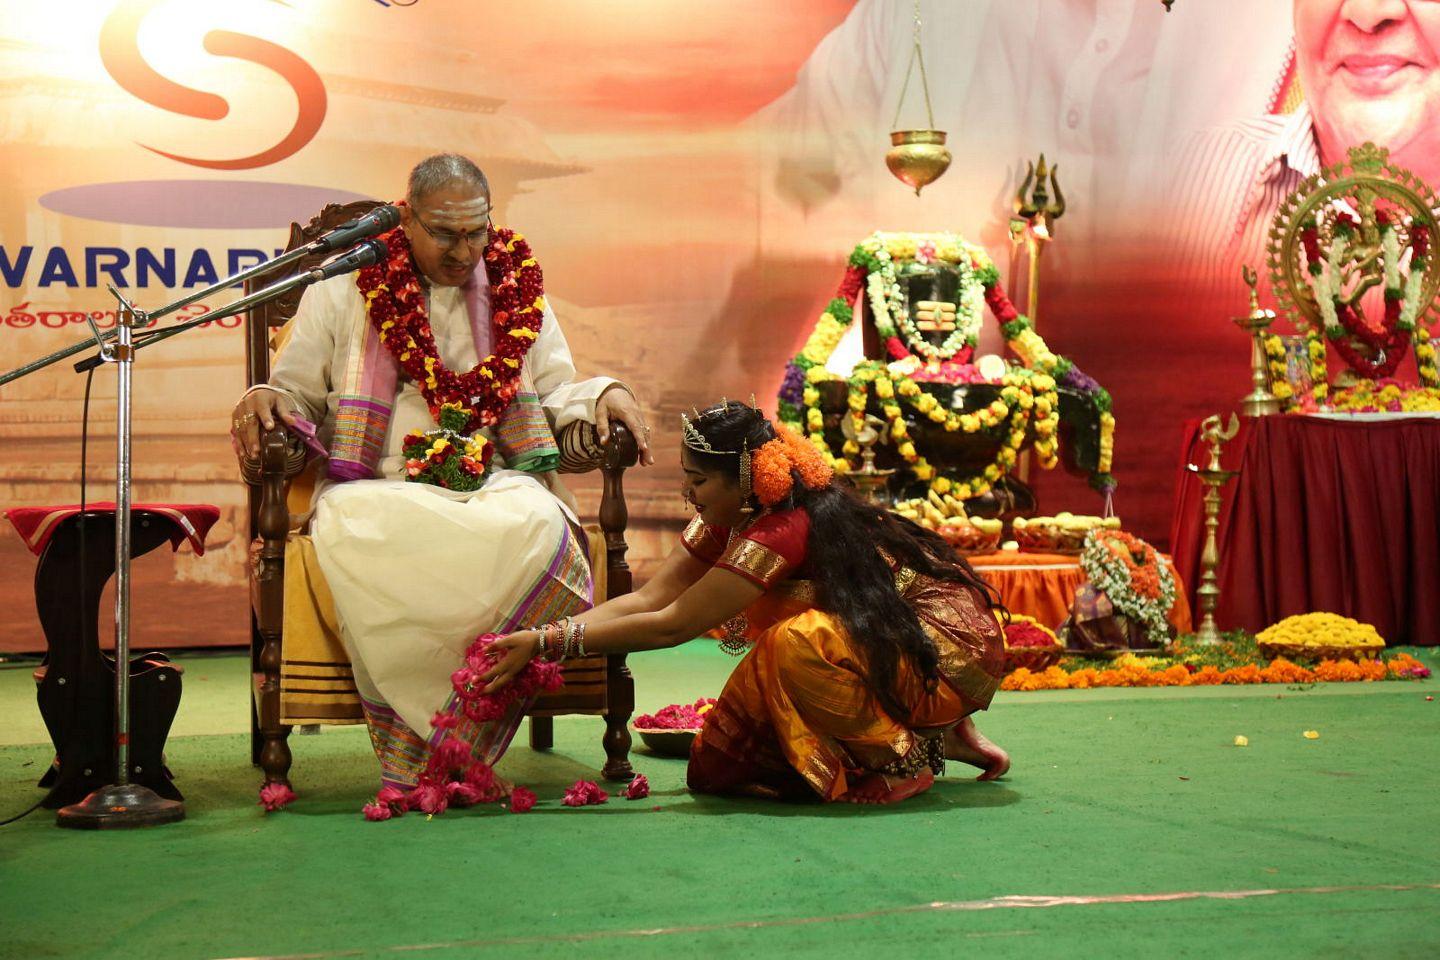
396,304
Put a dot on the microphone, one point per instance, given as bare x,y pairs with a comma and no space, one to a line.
382,218
366,253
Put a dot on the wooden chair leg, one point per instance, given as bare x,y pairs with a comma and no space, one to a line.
255,739
620,686
268,606
542,733
274,736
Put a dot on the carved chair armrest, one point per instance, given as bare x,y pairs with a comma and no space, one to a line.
282,455
581,450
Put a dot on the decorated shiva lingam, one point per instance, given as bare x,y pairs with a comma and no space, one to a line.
1259,402
1214,478
917,158
956,423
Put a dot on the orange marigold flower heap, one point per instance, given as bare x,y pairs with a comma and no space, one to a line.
1137,672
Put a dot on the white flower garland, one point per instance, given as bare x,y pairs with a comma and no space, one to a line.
1327,286
1390,250
1109,574
1410,304
887,304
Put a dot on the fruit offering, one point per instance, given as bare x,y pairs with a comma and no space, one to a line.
1064,531
946,516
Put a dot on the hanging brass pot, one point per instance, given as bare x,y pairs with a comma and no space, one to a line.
918,157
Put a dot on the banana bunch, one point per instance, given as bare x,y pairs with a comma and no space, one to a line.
946,516
934,510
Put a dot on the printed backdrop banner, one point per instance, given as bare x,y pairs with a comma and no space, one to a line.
692,176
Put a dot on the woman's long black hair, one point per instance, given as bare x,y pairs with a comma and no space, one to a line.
850,541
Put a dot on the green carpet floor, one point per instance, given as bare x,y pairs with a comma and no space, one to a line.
1300,848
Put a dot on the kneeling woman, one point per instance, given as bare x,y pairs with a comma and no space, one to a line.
871,641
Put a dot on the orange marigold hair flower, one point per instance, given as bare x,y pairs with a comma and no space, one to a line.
814,472
771,476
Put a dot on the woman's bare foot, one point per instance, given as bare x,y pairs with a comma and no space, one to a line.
876,788
965,744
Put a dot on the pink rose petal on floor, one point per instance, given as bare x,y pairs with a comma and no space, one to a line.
377,811
391,796
274,796
521,800
638,789
585,793
462,794
428,798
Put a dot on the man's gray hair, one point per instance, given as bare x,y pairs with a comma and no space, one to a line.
444,170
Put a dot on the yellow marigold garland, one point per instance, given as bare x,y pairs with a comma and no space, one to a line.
800,396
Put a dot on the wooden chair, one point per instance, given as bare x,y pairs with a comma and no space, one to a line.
599,685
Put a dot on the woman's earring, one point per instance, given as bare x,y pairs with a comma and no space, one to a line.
746,493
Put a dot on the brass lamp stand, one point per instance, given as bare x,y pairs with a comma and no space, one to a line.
1214,478
872,484
1259,402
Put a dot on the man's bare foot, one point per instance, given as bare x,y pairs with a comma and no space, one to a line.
876,788
965,744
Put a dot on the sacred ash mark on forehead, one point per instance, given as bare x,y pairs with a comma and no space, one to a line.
458,211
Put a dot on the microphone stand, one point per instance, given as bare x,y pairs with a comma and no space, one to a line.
122,803
319,244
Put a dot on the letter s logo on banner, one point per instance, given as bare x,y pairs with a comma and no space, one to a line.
120,53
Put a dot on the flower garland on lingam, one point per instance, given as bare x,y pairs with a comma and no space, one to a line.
1130,572
1028,401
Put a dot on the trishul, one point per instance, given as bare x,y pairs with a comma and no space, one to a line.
1033,225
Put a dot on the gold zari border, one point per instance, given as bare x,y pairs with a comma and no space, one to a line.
755,561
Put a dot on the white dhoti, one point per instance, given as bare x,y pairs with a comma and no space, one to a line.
417,572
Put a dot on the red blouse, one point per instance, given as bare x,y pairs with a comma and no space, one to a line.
766,552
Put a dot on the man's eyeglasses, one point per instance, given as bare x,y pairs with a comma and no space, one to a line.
449,239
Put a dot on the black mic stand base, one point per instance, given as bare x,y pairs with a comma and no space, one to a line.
119,807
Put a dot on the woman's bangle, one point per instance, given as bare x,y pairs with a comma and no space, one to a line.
549,648
569,633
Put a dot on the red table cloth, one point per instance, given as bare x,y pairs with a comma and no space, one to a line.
1043,585
1335,515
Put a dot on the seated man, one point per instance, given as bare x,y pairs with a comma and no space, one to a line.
455,316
